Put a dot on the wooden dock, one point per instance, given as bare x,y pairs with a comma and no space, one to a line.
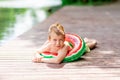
102,63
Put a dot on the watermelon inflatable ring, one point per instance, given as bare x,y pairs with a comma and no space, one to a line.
78,48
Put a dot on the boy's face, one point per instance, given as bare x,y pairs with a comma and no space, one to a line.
57,41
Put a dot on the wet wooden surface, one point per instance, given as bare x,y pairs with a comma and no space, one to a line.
100,22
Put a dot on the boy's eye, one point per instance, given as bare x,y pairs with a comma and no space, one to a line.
54,39
61,40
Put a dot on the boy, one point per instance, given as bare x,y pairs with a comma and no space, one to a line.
55,44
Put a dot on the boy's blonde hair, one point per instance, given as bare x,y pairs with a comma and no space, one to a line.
57,28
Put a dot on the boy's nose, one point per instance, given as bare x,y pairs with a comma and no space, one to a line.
58,43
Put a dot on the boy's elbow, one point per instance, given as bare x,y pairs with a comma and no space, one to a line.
57,61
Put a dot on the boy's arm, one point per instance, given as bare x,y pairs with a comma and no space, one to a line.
37,57
44,47
61,55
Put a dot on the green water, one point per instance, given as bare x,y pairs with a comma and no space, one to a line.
16,21
7,21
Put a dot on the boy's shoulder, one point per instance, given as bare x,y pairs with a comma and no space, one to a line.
44,47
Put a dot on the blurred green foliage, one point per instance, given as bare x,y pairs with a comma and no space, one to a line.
85,2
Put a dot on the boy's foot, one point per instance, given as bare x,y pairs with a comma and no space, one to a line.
91,43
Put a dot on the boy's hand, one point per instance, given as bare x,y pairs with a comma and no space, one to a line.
37,60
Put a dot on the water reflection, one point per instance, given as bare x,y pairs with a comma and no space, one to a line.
16,21
7,20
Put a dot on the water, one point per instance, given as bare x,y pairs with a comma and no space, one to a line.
17,19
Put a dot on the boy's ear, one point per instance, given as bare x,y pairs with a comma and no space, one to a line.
49,38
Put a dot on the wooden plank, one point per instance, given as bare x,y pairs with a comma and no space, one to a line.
101,23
